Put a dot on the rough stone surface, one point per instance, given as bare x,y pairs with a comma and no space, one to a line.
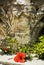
21,19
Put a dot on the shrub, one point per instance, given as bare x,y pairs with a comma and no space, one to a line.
39,47
24,48
12,43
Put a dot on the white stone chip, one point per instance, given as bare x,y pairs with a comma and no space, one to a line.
0,50
20,1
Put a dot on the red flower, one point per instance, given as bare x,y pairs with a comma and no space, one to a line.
20,57
5,49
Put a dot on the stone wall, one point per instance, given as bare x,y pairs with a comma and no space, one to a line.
21,18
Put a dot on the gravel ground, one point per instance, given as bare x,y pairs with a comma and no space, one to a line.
35,62
8,59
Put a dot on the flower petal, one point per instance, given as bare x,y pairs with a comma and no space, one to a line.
21,60
23,55
20,57
16,59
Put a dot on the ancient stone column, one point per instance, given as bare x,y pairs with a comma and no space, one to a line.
20,18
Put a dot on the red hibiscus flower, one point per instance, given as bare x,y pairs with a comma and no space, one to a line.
20,57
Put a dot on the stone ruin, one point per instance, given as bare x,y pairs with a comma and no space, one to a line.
22,19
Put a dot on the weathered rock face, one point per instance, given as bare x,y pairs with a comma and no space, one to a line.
22,19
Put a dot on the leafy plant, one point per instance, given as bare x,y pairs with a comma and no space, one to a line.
13,43
24,48
11,40
39,47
